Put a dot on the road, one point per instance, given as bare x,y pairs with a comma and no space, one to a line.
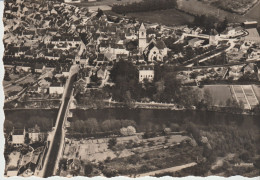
54,148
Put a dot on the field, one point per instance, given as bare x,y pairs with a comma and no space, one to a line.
238,6
197,7
103,4
257,91
166,17
254,13
220,93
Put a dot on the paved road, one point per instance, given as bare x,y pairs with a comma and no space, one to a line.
54,149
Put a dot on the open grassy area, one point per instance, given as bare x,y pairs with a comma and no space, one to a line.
254,13
198,7
166,17
85,3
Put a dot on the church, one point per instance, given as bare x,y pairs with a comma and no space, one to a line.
153,51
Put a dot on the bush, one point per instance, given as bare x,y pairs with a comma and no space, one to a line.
151,143
257,163
133,159
88,169
109,172
245,156
144,168
112,142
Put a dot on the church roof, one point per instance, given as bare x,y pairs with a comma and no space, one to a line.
142,27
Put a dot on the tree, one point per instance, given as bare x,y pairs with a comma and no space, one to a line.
91,125
125,76
88,168
109,172
193,75
111,143
129,131
192,129
27,139
208,98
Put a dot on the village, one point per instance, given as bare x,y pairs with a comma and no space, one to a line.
122,63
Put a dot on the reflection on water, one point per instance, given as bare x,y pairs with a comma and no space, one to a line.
44,118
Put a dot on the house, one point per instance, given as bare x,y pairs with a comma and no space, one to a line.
195,42
18,136
39,68
72,41
11,173
196,31
34,133
56,88
146,72
25,68
249,68
102,73
213,37
73,165
33,89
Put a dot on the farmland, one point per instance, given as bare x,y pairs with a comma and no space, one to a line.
166,17
238,6
254,13
243,93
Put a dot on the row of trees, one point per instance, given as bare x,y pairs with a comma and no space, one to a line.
92,126
145,5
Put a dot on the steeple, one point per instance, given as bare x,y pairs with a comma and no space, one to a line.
142,38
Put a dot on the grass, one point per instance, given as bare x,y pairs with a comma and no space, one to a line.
103,2
197,7
155,160
254,13
166,17
220,93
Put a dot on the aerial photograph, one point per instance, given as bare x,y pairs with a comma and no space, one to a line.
131,88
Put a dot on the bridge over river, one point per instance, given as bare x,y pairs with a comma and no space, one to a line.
56,140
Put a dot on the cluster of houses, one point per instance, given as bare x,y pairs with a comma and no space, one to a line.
55,31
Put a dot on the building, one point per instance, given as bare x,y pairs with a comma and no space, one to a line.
155,51
56,88
18,136
195,42
213,37
142,38
39,68
146,72
34,133
250,24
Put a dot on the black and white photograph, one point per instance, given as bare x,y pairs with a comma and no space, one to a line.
130,88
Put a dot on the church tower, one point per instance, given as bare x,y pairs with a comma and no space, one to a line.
142,38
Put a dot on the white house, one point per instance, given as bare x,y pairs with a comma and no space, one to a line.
18,136
146,72
56,88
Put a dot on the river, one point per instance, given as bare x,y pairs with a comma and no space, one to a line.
142,117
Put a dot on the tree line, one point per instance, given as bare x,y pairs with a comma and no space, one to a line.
145,5
92,126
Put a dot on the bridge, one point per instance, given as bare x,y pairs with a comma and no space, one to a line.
56,138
